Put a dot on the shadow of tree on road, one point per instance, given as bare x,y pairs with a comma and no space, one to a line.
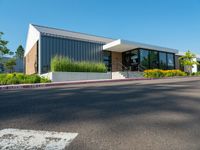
121,108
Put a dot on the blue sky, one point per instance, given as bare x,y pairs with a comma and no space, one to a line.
169,23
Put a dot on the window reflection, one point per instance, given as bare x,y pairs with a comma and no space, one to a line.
170,61
148,59
153,55
198,66
144,58
131,59
162,60
107,59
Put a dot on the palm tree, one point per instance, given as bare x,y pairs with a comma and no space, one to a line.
188,60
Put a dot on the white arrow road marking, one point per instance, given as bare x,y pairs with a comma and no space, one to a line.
16,139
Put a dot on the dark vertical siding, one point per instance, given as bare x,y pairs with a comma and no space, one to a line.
74,49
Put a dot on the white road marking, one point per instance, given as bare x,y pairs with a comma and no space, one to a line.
15,139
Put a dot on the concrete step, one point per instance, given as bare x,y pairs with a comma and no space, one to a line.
136,74
124,75
118,75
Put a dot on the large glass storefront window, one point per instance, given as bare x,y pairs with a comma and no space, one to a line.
153,59
148,59
170,61
144,58
107,59
130,60
162,60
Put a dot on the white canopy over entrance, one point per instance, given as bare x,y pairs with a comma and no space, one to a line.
123,45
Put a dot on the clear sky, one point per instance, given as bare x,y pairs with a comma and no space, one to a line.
168,23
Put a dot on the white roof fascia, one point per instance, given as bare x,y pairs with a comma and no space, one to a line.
71,34
123,45
32,37
111,44
180,53
183,53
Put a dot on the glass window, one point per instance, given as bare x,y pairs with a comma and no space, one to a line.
153,55
106,55
162,60
130,60
144,58
107,59
134,60
126,58
170,61
198,66
134,57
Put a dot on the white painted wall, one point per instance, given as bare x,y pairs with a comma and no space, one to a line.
194,68
76,76
32,37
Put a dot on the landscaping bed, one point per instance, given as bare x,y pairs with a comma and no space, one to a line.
19,78
158,73
64,64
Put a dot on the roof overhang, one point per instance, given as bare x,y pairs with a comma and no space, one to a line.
123,45
180,53
183,53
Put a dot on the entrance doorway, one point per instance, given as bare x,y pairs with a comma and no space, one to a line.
130,59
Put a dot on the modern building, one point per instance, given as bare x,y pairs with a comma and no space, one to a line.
43,43
19,67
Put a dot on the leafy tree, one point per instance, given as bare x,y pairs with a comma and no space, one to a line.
188,60
9,64
3,47
20,52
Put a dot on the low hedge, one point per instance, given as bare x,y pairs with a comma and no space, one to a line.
157,73
64,64
196,74
19,78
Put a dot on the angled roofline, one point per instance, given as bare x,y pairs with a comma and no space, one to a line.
71,34
35,31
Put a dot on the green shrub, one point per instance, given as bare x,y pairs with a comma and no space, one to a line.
32,79
64,64
44,80
19,78
196,73
157,73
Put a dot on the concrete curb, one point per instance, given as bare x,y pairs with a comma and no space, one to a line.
41,85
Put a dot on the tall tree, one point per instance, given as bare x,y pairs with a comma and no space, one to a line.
19,52
9,64
3,47
188,60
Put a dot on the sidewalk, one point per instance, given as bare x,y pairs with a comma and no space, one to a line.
41,85
53,84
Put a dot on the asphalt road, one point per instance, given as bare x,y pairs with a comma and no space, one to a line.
137,115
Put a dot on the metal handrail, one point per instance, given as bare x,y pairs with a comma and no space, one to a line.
123,67
141,67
